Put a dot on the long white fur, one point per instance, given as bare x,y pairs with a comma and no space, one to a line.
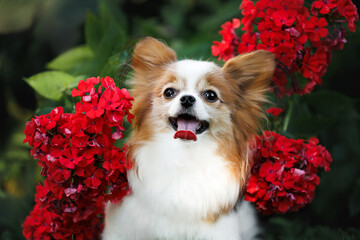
178,182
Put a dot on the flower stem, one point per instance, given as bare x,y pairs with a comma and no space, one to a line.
288,116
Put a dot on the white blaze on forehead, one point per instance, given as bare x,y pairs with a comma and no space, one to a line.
192,71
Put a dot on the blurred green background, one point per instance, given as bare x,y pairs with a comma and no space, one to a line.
86,38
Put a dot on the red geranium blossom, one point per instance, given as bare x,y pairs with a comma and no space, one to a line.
247,44
347,9
293,33
284,17
82,166
85,87
324,7
225,48
314,65
284,174
316,29
274,111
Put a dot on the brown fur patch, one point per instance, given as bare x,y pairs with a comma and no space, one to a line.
248,76
150,60
169,80
242,84
213,217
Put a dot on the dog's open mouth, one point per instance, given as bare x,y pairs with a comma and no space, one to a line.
188,126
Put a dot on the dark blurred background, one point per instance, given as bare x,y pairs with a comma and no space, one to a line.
34,32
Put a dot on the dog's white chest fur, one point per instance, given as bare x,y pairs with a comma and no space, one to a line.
175,188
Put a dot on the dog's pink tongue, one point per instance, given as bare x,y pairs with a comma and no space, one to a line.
186,129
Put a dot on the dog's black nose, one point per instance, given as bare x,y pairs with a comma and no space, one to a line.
187,101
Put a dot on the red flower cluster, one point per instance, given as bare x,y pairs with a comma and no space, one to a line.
82,166
226,48
284,174
301,39
274,111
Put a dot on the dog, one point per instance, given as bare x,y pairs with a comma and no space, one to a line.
189,147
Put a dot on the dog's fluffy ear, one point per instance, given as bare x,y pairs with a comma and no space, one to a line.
250,75
252,72
149,61
150,56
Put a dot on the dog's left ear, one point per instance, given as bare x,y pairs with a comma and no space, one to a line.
252,72
151,55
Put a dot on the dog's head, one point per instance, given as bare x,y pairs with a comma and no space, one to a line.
194,100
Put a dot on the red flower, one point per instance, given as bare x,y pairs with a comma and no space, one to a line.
269,171
77,125
287,55
42,193
58,173
247,44
95,179
274,111
113,160
284,17
92,110
228,30
80,142
284,173
347,9
323,6
314,65
58,144
267,39
250,13
109,100
316,29
85,87
38,224
95,125
284,145
70,157
108,83
225,48
267,25
81,165
284,28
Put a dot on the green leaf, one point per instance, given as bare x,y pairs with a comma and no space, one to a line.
354,203
110,12
300,122
109,45
174,15
93,31
330,103
224,12
71,59
118,67
302,81
50,84
104,36
44,111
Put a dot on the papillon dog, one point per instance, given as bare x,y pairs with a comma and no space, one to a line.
189,147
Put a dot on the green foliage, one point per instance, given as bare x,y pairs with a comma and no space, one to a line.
354,203
311,113
106,53
75,61
283,229
51,84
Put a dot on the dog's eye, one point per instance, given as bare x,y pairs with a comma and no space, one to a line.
210,96
169,93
